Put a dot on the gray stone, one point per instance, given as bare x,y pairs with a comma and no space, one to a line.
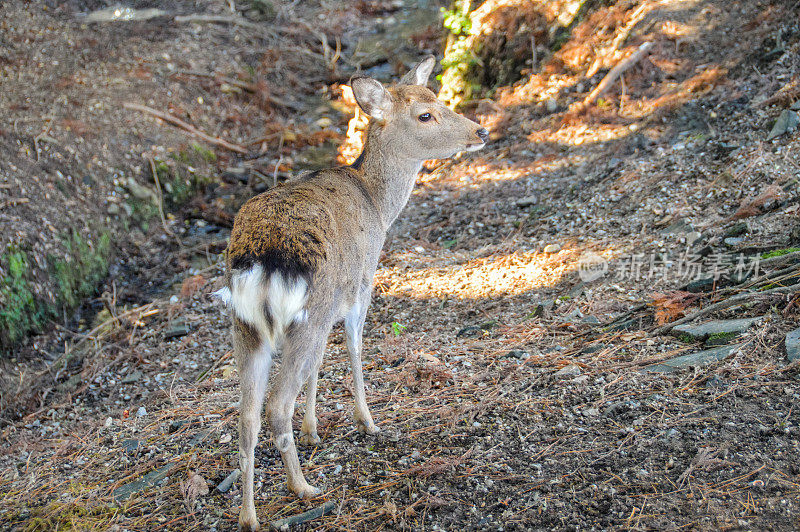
737,229
787,122
139,191
572,370
141,412
716,327
694,237
733,241
148,481
543,308
552,248
226,484
178,329
130,446
527,201
130,378
793,345
701,358
677,227
591,320
700,285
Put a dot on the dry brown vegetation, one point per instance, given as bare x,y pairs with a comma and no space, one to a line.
511,393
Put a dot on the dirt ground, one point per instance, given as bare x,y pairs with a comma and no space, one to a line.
514,391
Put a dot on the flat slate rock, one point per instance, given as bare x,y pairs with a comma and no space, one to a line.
701,331
793,345
701,358
148,481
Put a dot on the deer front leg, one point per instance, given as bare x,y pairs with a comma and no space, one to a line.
308,431
353,327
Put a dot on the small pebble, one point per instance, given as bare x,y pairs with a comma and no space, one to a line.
141,412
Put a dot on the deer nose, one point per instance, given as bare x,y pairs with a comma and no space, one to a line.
483,134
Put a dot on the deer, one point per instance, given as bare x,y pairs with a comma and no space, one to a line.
302,257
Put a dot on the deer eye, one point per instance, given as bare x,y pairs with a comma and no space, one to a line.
424,117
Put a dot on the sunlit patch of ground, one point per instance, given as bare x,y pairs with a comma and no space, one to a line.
494,276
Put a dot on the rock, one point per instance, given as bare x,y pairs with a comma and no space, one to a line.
792,343
130,378
694,237
141,412
131,445
715,328
543,308
551,105
677,227
795,106
527,201
469,331
518,353
591,320
139,191
177,330
572,370
109,422
226,484
112,208
737,229
700,285
552,248
577,290
787,122
149,480
733,241
701,358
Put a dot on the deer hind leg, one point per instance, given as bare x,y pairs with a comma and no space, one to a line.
308,431
254,359
353,327
302,351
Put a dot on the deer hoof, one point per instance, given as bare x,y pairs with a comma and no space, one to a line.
310,438
306,491
367,427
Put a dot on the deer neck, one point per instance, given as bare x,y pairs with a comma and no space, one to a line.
389,176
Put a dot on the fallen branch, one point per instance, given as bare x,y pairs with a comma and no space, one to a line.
319,511
175,121
616,72
224,19
725,303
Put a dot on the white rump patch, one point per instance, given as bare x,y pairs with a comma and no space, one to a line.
251,296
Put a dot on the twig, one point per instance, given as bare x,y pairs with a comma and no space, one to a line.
730,302
224,19
304,517
616,72
159,196
185,126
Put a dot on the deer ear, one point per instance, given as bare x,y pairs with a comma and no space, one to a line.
420,73
372,97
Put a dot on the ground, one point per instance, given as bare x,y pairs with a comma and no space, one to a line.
515,389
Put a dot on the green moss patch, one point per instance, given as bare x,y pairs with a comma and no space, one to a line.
77,275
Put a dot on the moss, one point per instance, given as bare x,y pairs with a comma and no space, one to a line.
778,253
207,155
76,277
19,313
